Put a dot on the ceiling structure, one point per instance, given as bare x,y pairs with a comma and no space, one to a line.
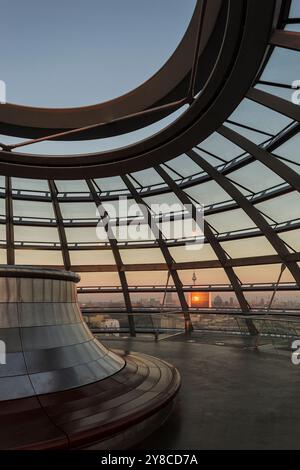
220,128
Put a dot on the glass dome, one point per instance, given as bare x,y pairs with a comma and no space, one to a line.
122,232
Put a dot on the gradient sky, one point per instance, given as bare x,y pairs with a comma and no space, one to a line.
63,53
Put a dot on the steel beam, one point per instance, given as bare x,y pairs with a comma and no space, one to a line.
165,252
116,255
254,214
250,287
60,225
273,163
10,253
190,265
286,39
276,103
216,246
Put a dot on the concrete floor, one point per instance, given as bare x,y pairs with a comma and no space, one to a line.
232,396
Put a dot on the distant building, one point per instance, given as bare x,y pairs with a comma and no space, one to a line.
218,302
169,299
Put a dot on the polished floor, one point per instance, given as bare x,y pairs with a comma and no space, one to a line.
232,396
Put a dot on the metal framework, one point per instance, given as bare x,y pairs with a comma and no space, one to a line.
226,55
209,234
60,226
9,222
117,257
165,251
253,213
220,63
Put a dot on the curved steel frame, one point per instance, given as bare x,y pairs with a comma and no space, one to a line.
233,72
141,106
